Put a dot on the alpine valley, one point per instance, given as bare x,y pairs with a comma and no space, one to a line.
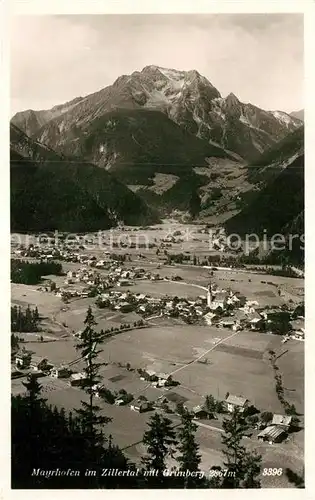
151,141
154,327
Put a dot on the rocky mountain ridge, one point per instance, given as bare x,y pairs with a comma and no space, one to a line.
186,97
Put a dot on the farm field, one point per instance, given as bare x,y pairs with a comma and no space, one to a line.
205,360
238,365
162,288
76,311
162,349
57,351
189,274
25,294
250,285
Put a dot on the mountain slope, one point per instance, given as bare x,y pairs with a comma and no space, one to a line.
277,202
272,162
276,205
137,146
134,144
30,121
52,192
186,97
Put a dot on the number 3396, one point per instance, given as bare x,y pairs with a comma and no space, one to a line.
272,472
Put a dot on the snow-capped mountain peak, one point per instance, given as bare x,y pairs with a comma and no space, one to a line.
186,97
283,117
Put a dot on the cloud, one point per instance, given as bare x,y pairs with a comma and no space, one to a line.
258,57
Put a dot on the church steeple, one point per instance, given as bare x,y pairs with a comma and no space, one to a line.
209,295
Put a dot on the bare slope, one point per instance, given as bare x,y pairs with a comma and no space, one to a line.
50,192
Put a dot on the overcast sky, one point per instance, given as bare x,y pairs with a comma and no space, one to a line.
258,57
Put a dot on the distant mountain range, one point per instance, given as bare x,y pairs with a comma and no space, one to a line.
50,191
148,143
298,114
185,97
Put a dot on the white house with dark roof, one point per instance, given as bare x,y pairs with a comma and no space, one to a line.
283,420
210,318
77,379
22,359
140,406
39,363
60,372
232,402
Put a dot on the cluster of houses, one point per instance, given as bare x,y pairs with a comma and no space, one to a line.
38,365
231,310
146,305
277,429
41,366
189,310
273,431
25,360
67,253
87,281
222,308
143,303
157,379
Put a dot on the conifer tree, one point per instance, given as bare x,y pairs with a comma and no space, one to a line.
194,204
89,413
189,458
252,465
242,467
36,315
160,440
46,438
28,318
33,392
34,404
210,403
14,342
294,478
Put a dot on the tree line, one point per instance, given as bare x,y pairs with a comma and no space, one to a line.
24,321
30,273
241,260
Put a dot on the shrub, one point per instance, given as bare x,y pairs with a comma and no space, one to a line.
266,416
107,395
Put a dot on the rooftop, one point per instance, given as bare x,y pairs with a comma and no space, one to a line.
272,431
198,408
60,367
37,359
236,400
254,316
281,419
78,376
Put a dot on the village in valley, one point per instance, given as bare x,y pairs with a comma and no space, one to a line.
185,327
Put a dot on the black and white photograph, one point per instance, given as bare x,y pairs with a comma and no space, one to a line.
157,251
